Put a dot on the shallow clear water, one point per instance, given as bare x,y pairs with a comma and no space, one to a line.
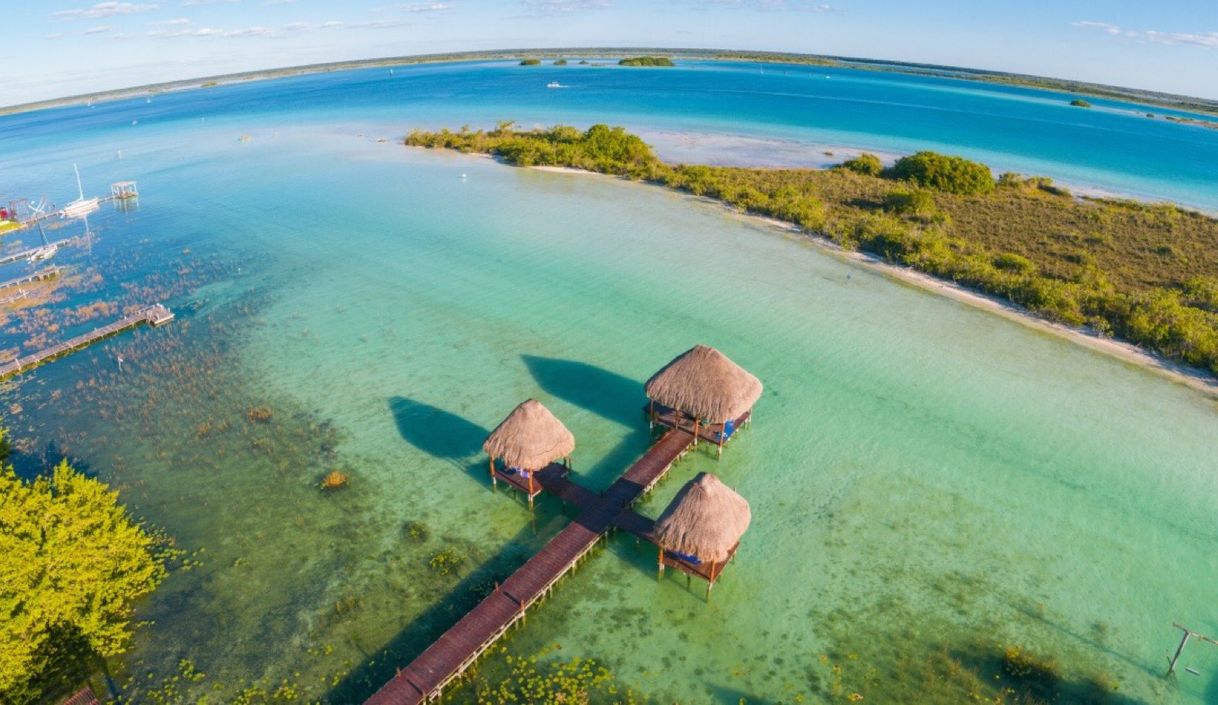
925,478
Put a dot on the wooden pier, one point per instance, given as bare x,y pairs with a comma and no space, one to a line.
153,315
84,696
425,678
33,252
44,273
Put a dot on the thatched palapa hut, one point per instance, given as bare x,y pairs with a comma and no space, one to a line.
700,530
704,391
528,440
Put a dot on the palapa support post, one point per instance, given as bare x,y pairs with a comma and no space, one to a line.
696,420
1188,634
722,433
494,481
651,414
661,559
531,491
1171,668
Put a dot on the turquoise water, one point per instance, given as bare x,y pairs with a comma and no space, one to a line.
927,480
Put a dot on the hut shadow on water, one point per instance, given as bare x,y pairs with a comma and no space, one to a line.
607,394
441,434
596,389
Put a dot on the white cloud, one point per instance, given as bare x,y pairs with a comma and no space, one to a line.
181,28
99,29
102,9
1208,40
1103,26
250,32
427,7
187,32
549,7
800,5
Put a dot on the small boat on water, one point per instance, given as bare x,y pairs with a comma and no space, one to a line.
553,84
81,206
43,253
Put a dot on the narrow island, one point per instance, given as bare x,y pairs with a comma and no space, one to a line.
1080,103
530,62
646,61
1146,273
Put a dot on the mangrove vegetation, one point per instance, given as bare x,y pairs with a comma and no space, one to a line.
1146,273
646,61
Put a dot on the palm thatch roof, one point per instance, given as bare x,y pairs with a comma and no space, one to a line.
530,438
706,519
704,383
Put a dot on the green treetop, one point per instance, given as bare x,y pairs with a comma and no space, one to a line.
72,561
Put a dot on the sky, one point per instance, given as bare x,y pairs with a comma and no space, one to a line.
56,48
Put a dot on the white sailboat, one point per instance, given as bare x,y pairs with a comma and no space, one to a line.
81,206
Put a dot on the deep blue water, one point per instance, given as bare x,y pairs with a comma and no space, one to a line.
1112,147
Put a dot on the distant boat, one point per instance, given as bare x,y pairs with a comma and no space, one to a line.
553,84
81,206
43,253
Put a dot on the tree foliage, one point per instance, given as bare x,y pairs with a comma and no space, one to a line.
944,173
646,61
865,163
72,561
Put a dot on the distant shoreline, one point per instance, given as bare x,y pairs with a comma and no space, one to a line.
1201,106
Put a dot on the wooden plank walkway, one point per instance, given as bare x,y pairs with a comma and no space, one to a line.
153,315
30,252
425,678
44,273
84,696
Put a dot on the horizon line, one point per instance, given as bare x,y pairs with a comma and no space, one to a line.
270,73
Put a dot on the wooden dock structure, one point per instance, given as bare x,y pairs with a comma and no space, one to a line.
84,696
425,678
32,253
44,273
154,315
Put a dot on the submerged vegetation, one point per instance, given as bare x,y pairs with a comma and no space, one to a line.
1147,273
72,561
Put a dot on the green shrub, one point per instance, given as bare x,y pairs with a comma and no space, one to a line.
1080,103
918,204
1011,262
530,62
560,62
944,173
1202,293
865,163
646,61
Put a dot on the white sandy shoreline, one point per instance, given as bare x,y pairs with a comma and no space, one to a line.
1127,352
